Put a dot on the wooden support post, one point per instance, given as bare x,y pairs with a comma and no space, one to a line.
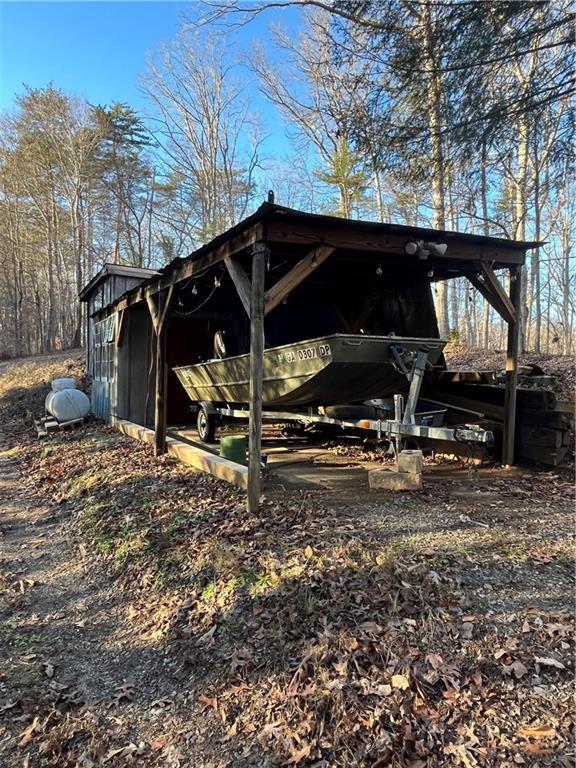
121,318
259,255
159,314
512,367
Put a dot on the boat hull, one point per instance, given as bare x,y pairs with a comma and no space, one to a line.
341,368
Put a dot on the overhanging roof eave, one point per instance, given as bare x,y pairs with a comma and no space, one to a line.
269,221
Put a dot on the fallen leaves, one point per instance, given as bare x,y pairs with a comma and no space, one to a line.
518,669
547,661
537,732
123,694
400,681
129,750
48,668
209,701
312,638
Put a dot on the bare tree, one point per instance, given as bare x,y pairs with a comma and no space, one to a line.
206,125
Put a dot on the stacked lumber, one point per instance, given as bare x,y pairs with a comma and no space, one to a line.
46,425
544,426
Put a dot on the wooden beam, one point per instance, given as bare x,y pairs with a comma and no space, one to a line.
189,268
259,256
295,276
151,303
393,242
492,298
491,279
121,319
159,311
188,453
240,280
512,367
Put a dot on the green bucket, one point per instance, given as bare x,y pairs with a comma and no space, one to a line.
233,447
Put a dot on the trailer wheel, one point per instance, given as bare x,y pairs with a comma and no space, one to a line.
205,424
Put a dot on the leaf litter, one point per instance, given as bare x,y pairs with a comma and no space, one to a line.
318,633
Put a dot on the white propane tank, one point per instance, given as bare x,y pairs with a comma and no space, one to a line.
65,383
67,404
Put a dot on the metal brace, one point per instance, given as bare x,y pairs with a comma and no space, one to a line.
415,378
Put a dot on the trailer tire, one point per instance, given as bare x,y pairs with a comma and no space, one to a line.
205,424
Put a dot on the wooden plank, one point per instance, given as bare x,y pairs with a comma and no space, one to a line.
533,436
554,419
193,455
151,303
512,347
552,457
336,235
259,255
121,319
479,377
240,280
496,287
538,418
292,279
538,399
489,377
488,410
543,454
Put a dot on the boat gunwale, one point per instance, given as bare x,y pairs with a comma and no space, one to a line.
339,336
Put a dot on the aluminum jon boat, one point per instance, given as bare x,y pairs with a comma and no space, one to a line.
341,368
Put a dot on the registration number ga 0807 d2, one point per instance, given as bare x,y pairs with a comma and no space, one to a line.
306,353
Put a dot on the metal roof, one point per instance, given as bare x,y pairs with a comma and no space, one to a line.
109,269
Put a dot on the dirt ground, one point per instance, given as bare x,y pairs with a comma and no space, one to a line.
146,619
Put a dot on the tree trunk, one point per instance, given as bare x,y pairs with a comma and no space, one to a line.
521,212
438,169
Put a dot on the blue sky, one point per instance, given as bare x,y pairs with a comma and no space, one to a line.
98,50
93,49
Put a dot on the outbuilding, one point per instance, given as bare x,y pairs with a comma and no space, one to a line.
277,276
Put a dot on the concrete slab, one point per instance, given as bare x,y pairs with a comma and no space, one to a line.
295,463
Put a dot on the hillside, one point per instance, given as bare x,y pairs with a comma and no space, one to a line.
147,620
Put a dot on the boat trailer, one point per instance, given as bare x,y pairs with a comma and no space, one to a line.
404,425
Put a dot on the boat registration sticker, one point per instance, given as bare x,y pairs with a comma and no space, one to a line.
307,353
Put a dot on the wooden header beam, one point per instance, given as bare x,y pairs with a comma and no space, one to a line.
330,236
393,243
188,269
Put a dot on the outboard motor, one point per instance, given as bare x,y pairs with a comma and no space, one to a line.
219,345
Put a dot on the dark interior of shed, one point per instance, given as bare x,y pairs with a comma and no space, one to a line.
348,293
